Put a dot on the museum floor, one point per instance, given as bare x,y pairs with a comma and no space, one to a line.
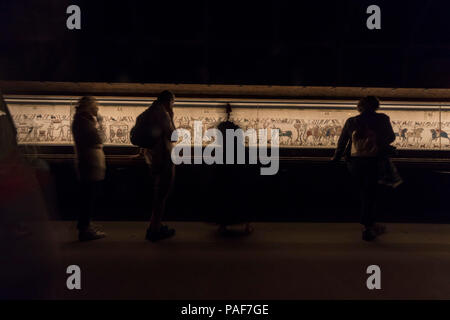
278,261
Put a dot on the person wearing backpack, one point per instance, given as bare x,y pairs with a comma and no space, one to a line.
152,132
365,143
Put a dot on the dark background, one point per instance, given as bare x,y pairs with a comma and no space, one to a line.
276,42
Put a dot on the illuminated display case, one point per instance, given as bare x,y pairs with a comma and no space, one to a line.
302,123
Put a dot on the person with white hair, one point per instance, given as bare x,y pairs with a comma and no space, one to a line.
88,134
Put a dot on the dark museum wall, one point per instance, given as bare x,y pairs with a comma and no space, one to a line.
321,43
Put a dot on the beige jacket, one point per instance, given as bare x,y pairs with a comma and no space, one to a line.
89,137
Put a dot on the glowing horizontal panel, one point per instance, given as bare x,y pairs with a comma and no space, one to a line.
302,124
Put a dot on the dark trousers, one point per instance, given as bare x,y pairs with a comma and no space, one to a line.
365,175
90,192
163,178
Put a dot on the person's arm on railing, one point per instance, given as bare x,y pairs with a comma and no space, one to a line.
344,139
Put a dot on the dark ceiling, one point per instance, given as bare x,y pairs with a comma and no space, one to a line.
275,42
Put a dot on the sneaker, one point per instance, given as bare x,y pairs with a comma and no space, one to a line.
95,226
369,234
164,232
90,234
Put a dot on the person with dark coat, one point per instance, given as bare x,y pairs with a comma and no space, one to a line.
229,180
88,134
365,143
159,119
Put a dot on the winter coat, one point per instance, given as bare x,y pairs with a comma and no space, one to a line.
89,137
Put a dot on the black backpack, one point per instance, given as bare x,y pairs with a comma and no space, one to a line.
144,134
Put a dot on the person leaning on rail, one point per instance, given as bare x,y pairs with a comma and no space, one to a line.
365,142
88,134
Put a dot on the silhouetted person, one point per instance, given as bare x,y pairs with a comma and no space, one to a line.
154,127
9,155
88,135
229,179
27,246
365,142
